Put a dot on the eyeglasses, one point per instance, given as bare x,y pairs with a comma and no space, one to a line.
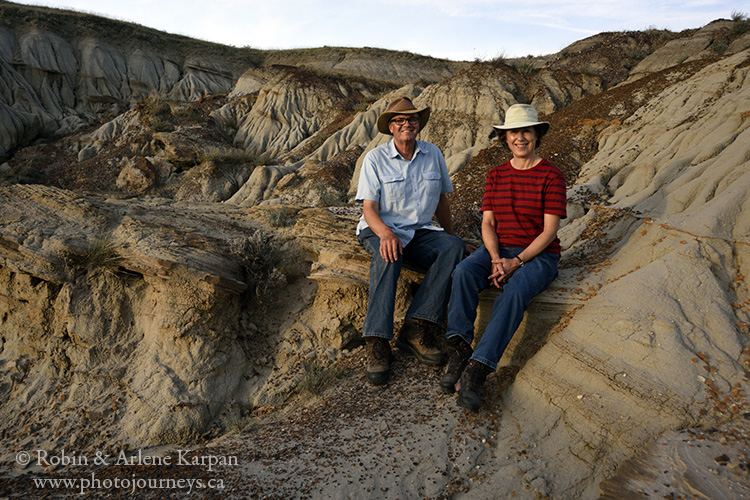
400,121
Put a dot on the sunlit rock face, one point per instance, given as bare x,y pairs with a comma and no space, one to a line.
186,250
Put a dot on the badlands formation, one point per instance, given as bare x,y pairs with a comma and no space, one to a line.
178,267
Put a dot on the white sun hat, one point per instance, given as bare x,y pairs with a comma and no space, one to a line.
522,116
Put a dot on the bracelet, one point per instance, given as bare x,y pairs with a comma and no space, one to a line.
522,263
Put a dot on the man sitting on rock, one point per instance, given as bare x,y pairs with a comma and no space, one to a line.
402,184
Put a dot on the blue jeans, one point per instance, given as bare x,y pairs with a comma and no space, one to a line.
436,251
470,278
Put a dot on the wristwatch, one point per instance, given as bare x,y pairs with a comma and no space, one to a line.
520,260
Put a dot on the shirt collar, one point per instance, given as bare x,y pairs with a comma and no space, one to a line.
393,152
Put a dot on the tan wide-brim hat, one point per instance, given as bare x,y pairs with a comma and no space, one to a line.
401,106
522,116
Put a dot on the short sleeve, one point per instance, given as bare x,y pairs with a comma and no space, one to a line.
368,187
555,196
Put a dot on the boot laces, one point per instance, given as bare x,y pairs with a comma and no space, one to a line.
429,335
378,350
457,356
477,374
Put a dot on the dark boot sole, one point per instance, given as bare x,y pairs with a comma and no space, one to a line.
448,387
407,347
378,378
468,403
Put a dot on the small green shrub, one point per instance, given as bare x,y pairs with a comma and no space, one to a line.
525,67
739,16
190,114
740,27
360,106
233,156
280,217
100,256
329,197
260,255
587,69
156,114
424,82
234,423
318,378
28,166
161,126
637,54
500,58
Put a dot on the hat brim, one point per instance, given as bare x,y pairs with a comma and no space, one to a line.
383,119
543,126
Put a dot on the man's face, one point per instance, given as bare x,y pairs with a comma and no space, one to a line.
404,127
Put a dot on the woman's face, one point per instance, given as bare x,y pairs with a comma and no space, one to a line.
521,141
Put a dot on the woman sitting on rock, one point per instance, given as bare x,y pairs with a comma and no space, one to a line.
524,200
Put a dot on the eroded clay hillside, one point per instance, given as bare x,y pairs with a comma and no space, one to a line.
177,260
64,71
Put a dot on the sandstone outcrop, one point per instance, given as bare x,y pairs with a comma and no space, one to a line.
660,342
169,278
397,68
705,42
152,315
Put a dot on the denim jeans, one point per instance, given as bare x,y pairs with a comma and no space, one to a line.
436,251
470,278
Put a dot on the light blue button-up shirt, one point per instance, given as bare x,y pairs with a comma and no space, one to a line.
407,192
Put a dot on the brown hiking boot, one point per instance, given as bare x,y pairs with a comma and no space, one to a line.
470,384
420,338
459,353
379,358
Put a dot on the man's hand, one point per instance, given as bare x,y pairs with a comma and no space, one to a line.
390,247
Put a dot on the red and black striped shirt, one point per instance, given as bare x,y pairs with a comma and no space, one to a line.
520,198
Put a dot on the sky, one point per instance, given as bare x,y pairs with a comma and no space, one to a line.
461,30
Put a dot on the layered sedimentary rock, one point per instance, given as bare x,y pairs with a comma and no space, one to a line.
53,87
145,314
659,342
131,322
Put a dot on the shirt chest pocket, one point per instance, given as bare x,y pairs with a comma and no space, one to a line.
394,187
431,183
